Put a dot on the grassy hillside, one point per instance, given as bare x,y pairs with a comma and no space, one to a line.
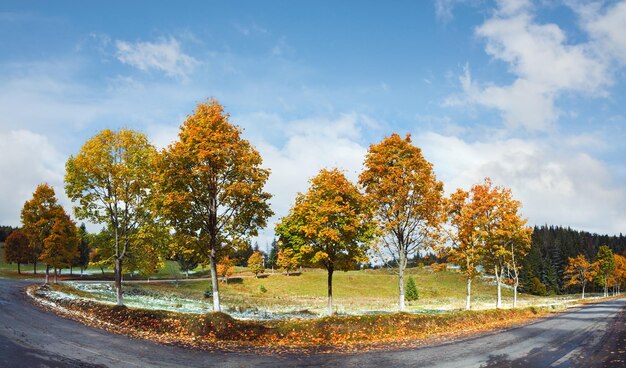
354,291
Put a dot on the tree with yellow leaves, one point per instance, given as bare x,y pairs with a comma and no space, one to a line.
210,186
407,199
111,178
330,225
579,271
287,259
256,263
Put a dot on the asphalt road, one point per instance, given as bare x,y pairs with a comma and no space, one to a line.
592,336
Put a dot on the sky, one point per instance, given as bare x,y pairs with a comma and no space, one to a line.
531,94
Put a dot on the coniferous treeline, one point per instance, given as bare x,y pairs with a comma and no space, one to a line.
543,267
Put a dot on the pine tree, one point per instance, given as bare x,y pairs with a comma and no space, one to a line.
411,290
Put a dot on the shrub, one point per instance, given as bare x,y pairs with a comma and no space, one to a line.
410,292
208,293
263,289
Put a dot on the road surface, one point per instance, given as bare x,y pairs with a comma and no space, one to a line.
586,337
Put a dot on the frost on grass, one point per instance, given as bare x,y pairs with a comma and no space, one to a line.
146,299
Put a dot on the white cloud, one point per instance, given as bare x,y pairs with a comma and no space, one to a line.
28,159
542,60
607,28
164,55
308,146
566,187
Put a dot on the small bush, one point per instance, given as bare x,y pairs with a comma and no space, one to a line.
263,289
410,292
208,293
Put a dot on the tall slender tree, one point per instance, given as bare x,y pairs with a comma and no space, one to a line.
211,185
330,225
605,261
111,177
408,200
467,248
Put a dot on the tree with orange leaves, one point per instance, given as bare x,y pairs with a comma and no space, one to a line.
38,216
467,249
225,268
211,186
579,271
61,246
330,225
407,198
503,233
17,249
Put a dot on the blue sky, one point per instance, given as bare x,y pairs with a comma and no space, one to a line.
528,93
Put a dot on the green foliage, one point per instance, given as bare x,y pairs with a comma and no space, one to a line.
273,256
208,293
411,290
262,289
536,287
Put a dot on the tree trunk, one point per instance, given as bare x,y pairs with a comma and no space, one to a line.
515,285
583,296
469,293
606,289
71,270
214,283
55,275
118,282
19,272
401,288
47,273
499,302
330,290
401,266
34,267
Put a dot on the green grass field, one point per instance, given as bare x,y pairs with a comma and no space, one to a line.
353,291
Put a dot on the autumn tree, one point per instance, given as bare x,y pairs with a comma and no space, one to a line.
184,252
579,271
211,185
464,211
408,200
60,248
256,263
17,249
111,178
503,232
225,268
330,225
619,273
38,216
605,261
287,259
